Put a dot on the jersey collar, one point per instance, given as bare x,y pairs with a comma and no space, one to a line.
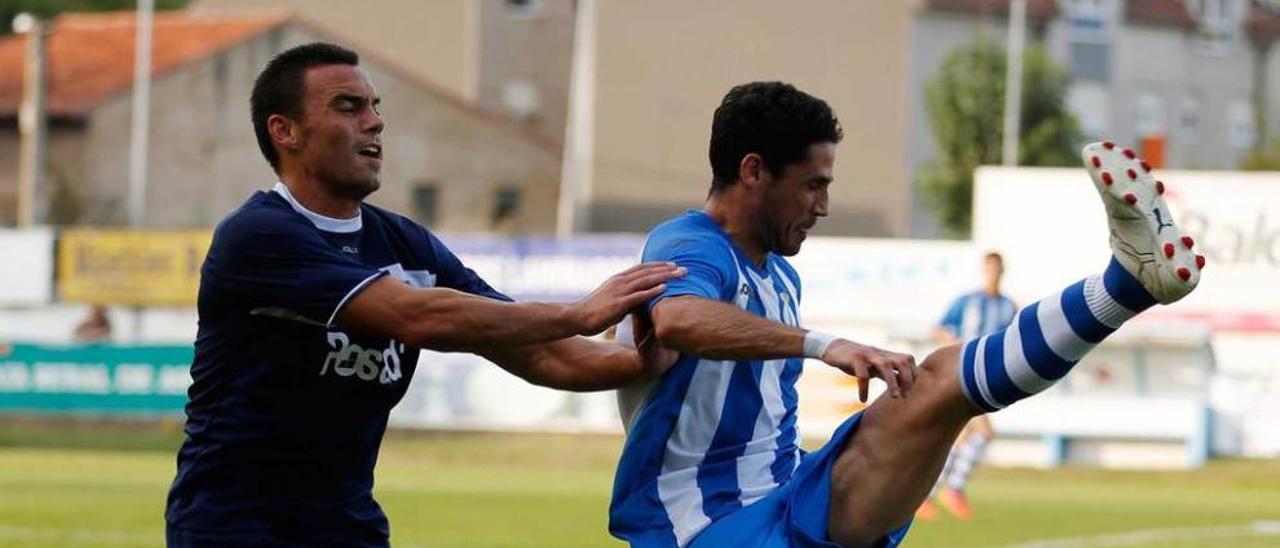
327,224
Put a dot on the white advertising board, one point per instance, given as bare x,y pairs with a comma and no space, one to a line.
26,273
1051,225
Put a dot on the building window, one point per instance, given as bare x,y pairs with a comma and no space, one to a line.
1189,121
1090,39
426,202
1150,116
523,8
1219,24
1241,132
506,204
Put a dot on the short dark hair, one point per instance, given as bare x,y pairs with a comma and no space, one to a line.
772,119
279,88
994,256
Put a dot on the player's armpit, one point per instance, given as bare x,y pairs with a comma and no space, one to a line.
716,330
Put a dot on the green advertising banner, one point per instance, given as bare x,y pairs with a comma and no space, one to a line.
94,379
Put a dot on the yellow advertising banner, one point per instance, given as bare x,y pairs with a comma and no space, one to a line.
131,267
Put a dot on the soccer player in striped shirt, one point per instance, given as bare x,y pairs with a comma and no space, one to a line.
971,315
712,458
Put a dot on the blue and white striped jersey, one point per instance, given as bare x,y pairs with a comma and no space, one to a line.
710,436
975,314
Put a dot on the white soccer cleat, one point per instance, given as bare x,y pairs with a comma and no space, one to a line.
1144,238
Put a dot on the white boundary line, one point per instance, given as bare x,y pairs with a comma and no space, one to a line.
1149,536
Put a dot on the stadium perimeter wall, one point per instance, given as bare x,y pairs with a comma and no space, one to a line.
879,291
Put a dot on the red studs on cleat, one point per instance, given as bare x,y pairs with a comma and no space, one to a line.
1146,167
1097,162
1160,187
1187,241
1168,251
1199,261
1184,273
1106,178
1129,197
1133,175
1128,153
1108,145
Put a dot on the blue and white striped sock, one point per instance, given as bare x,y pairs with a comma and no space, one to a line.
1047,338
965,459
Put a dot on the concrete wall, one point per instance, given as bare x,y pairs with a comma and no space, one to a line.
61,193
434,39
1172,64
204,159
662,67
536,49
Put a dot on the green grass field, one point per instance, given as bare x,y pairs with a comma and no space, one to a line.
90,485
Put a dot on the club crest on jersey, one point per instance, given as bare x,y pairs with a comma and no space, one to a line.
351,360
744,296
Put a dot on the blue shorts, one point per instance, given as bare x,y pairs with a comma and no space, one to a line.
795,514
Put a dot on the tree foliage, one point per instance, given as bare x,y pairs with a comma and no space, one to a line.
965,107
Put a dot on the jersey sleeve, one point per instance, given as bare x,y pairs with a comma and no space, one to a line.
283,265
953,317
712,272
455,275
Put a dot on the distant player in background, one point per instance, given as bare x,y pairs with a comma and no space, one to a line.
970,316
313,306
712,458
95,328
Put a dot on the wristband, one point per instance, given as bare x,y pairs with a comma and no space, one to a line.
816,343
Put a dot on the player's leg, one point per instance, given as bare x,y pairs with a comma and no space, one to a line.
889,466
964,457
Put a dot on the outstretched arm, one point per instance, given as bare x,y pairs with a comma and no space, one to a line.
580,364
446,319
717,330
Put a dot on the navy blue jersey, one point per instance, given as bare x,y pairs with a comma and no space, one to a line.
287,410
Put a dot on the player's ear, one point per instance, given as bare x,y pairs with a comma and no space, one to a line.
751,170
284,132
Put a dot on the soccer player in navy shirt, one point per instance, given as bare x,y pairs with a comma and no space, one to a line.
313,306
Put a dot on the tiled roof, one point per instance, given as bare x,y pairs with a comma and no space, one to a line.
1165,13
90,58
90,55
1036,9
1264,22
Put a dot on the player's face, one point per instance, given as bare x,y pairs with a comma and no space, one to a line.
341,130
795,199
993,271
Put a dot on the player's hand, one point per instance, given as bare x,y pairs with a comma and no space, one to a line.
864,362
620,294
657,359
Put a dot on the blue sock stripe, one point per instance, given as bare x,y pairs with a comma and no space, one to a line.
970,380
999,385
1080,318
1039,356
1126,289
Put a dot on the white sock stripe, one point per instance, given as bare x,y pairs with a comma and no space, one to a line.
1103,306
1015,363
980,374
1062,340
